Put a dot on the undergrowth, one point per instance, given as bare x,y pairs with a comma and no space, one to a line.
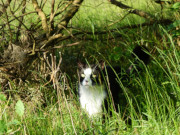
153,96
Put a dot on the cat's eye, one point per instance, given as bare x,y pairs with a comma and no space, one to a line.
83,75
94,76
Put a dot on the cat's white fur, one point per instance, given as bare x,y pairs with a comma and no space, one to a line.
91,96
87,80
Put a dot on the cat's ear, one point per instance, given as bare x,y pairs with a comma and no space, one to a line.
101,64
80,65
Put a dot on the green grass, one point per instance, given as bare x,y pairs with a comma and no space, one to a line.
152,110
153,95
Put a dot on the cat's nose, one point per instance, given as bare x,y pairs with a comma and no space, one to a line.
86,81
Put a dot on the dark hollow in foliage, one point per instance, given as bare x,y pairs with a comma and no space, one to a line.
116,92
140,52
114,74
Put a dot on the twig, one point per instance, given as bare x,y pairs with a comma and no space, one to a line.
43,4
71,11
13,132
9,21
52,16
132,10
60,111
55,13
62,10
18,19
7,18
21,19
67,31
69,109
5,5
69,45
54,78
117,20
51,39
19,5
54,69
165,22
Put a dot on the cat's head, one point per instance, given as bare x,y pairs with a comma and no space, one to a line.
89,74
141,55
141,52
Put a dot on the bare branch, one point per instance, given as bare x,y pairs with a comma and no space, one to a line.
43,4
52,38
62,10
4,7
52,15
132,10
21,19
71,11
42,16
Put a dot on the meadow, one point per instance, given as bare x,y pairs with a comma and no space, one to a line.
34,108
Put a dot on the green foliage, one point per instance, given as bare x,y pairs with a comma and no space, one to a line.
174,25
3,127
116,54
2,97
175,6
14,122
153,95
19,108
172,28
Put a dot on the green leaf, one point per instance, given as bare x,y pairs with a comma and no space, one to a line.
14,122
174,25
176,33
2,127
2,97
117,49
176,5
19,108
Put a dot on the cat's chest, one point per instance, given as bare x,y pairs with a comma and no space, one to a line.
92,98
